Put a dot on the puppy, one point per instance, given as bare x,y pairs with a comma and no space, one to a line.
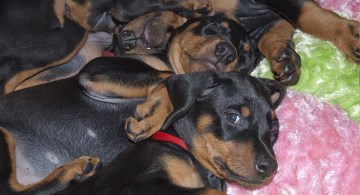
37,35
272,24
231,113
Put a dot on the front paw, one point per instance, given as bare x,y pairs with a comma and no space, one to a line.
347,39
140,130
286,65
78,170
149,116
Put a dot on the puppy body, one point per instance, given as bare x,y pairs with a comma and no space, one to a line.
65,123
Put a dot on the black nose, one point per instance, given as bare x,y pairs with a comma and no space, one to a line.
225,52
126,40
265,167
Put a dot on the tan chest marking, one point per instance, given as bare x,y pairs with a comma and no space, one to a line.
181,173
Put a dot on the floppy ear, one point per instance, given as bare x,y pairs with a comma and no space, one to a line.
184,90
277,91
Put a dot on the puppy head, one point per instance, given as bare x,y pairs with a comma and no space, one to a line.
228,121
146,34
211,43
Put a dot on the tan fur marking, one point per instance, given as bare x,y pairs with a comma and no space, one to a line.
204,121
318,21
272,115
153,62
239,157
176,50
69,171
12,83
228,7
195,5
181,173
14,184
224,25
245,111
18,81
74,11
79,13
64,173
247,47
121,90
59,9
276,39
154,120
165,75
88,52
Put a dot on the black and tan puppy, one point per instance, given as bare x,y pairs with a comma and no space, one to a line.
227,121
36,35
272,24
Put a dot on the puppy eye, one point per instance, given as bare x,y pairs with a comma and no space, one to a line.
233,118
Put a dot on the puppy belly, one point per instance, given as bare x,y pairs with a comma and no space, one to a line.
34,164
25,172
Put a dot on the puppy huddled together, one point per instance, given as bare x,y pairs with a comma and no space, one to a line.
172,111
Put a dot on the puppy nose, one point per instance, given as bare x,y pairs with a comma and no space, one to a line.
266,167
126,40
225,52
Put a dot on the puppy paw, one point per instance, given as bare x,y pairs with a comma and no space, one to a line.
149,116
78,170
347,39
286,65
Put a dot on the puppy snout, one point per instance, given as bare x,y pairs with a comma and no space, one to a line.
225,52
126,40
265,167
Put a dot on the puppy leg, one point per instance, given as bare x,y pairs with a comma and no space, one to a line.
309,17
278,48
72,172
94,46
327,25
150,115
103,78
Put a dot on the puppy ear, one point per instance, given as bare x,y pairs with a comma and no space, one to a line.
277,91
184,90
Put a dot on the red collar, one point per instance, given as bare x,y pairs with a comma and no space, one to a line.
162,136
